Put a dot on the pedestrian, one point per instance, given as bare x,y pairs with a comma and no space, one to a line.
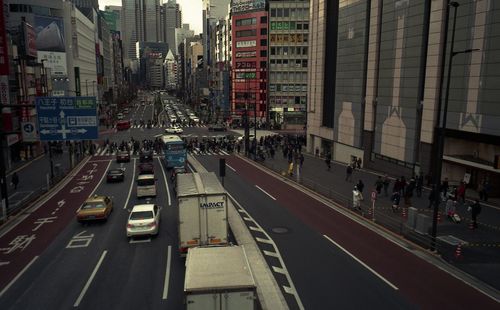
432,196
357,197
348,173
395,198
486,190
358,162
386,183
360,186
328,161
15,180
420,185
238,147
461,193
301,160
451,207
475,209
445,186
408,193
290,169
379,184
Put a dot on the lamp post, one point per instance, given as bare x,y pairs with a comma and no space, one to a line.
442,125
49,143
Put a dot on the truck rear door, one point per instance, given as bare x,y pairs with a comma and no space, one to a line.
189,222
216,220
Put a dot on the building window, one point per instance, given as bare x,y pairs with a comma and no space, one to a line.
246,21
273,51
263,19
279,12
286,12
273,12
263,53
246,33
263,31
263,42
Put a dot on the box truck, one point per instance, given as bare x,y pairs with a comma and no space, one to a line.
219,278
202,211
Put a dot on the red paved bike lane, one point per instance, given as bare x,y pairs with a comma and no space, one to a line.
421,282
34,234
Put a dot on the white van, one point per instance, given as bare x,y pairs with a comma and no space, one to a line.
146,185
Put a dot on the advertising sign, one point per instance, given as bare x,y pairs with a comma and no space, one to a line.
67,118
249,54
245,65
247,5
50,43
250,43
29,40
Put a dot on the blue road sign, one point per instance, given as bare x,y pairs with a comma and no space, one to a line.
67,118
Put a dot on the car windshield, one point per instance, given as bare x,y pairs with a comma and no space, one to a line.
145,182
93,205
115,172
141,215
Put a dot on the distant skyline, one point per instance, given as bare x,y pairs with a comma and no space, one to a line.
191,12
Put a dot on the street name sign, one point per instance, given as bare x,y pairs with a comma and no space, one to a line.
67,118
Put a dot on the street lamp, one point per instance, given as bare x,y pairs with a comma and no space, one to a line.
442,125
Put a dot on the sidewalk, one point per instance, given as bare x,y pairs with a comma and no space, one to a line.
34,175
480,255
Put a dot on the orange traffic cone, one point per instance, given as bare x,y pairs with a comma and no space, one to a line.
439,217
458,251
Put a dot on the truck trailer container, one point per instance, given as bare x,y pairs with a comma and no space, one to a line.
219,278
202,211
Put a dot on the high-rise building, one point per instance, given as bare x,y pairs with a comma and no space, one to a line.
213,10
172,19
112,16
249,60
377,86
288,47
140,22
180,35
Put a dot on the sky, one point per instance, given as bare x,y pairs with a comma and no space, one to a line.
191,12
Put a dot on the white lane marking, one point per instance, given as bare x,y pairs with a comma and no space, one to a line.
100,181
268,253
139,240
288,290
89,281
263,240
234,170
224,152
4,263
131,185
265,192
255,228
167,273
277,255
166,183
248,219
279,270
242,211
5,289
360,262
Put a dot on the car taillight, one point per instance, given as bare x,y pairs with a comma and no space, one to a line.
130,226
153,224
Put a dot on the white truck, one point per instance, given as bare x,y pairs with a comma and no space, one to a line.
203,219
219,278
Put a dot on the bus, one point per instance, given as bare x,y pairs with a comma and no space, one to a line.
175,151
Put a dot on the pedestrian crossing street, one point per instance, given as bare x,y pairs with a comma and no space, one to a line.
104,151
163,126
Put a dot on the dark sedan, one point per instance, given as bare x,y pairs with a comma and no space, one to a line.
123,157
146,156
115,175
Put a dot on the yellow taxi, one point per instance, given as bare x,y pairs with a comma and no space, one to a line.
95,208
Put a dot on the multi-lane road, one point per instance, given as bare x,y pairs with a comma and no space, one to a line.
320,258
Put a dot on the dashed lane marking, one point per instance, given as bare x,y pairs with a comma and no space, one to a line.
263,240
269,253
255,228
279,270
248,219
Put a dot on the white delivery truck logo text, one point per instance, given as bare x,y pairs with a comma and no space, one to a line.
212,205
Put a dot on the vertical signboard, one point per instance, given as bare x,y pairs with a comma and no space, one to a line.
4,65
29,40
50,43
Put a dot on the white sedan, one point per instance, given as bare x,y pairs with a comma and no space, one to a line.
174,129
143,220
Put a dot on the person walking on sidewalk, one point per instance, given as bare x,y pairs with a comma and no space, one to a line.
396,199
379,184
15,180
420,185
475,209
357,197
348,173
328,161
386,183
301,160
360,186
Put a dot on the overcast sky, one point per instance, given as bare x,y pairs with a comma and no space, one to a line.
191,11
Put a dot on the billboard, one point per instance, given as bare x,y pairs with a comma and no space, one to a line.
239,6
249,43
50,43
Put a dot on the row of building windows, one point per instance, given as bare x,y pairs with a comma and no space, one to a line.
289,38
289,50
25,8
290,63
286,76
250,21
288,88
301,13
287,100
250,33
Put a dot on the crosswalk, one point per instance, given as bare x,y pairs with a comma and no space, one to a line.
105,151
